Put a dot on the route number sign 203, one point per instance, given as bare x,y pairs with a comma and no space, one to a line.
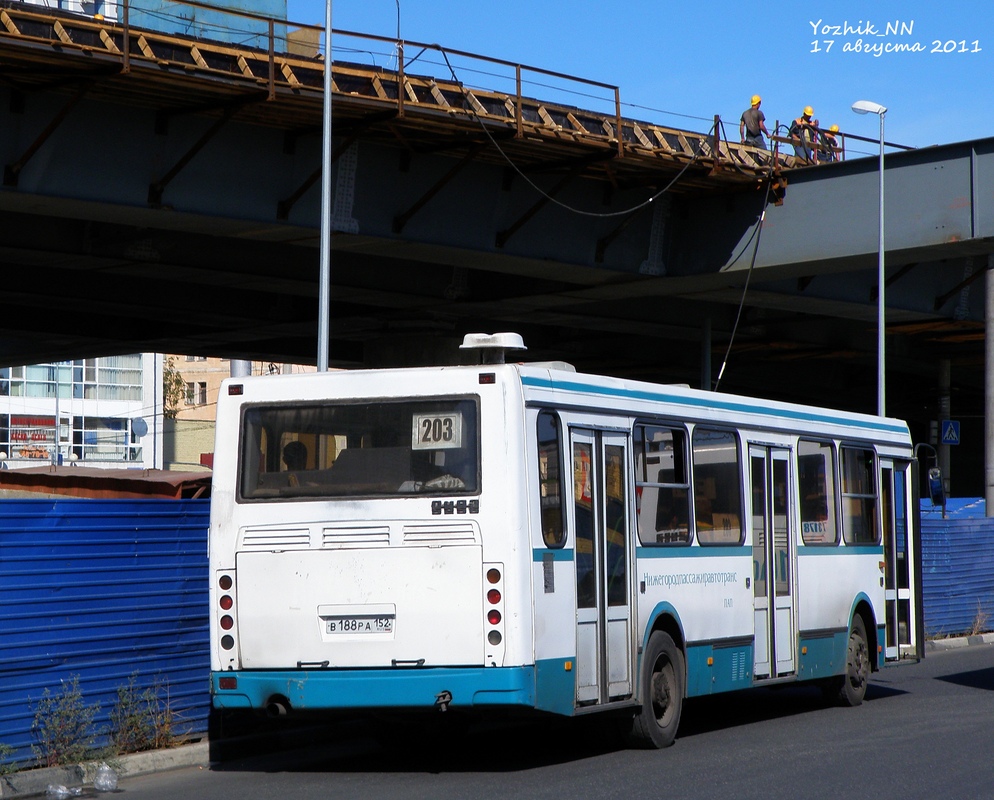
436,431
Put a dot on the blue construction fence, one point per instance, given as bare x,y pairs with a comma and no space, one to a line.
103,592
957,568
106,590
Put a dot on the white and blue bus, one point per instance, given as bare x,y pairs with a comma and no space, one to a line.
523,536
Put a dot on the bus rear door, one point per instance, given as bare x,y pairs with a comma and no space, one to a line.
773,559
901,591
601,524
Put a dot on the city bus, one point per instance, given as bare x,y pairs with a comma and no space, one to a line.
521,536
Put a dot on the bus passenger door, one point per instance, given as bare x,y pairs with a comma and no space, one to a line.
899,589
601,494
773,561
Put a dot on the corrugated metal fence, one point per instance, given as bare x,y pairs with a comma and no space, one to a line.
102,590
107,589
958,575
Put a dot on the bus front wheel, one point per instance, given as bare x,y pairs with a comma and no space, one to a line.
851,687
656,722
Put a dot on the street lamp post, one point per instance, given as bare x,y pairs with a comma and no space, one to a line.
869,107
324,276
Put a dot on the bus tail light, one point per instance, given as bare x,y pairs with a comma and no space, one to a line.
226,621
493,610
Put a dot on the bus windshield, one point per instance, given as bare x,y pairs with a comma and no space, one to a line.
360,448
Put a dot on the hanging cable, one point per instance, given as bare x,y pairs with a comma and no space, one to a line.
552,199
752,264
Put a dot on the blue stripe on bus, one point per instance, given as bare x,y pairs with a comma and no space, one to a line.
711,401
378,688
566,554
835,550
558,554
692,552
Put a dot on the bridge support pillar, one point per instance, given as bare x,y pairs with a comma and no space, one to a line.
989,388
706,382
945,413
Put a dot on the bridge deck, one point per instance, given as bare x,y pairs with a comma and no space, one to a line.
174,75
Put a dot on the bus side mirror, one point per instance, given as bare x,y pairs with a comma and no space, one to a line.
935,488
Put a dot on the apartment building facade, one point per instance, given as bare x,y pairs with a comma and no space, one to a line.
97,412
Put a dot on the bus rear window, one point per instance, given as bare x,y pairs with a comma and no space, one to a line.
358,449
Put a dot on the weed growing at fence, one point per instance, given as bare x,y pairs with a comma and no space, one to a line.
6,751
141,719
980,621
62,726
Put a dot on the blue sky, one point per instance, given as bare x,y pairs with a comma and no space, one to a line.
679,64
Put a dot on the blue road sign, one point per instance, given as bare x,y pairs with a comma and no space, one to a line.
950,431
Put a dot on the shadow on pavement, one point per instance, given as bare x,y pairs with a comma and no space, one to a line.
452,743
975,679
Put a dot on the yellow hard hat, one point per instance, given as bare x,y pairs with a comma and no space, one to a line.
834,129
756,99
808,111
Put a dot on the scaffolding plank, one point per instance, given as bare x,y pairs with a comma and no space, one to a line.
145,47
288,73
109,42
640,135
62,33
8,23
198,58
439,97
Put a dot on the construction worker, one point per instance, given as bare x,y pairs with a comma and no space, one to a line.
803,135
752,124
829,143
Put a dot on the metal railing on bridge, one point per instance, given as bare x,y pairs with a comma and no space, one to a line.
282,64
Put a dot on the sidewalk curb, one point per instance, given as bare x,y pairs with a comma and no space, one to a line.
34,782
956,642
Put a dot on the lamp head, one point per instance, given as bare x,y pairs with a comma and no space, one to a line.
868,107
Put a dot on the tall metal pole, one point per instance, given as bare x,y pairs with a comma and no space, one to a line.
324,279
58,377
869,107
989,389
881,279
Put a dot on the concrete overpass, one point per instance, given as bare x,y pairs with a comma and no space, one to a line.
162,195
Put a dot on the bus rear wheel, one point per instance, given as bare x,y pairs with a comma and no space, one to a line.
656,723
850,689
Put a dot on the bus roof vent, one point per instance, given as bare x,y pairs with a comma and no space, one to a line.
492,346
562,366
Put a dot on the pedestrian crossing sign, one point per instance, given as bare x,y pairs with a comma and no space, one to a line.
950,431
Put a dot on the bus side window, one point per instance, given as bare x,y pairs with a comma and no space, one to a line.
859,497
662,486
816,488
717,487
550,477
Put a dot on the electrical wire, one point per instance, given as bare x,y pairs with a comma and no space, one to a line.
550,198
752,265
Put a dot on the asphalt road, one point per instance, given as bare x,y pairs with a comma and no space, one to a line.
925,731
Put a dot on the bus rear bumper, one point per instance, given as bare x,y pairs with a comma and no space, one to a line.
328,689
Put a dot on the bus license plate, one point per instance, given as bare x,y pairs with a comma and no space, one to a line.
359,624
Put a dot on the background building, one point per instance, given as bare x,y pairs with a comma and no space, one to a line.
191,407
116,411
109,412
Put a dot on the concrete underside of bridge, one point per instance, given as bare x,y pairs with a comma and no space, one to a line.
140,219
